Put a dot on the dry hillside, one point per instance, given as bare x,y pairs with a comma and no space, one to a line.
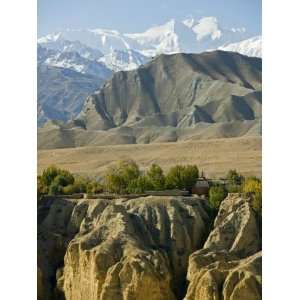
173,98
215,157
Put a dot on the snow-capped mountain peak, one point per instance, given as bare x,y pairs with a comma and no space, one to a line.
249,47
118,60
73,61
52,37
125,51
62,45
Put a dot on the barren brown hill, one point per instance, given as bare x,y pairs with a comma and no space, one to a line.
215,156
173,98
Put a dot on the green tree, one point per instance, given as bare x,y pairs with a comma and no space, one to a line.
48,175
234,178
80,184
174,178
216,195
182,177
156,177
69,189
139,185
64,178
41,188
253,185
234,188
94,187
55,189
190,176
55,179
118,176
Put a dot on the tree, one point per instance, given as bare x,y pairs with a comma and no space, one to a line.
156,177
182,177
80,184
64,178
139,185
55,189
41,188
190,176
118,176
94,187
48,175
253,185
216,195
234,178
69,189
54,178
174,178
234,188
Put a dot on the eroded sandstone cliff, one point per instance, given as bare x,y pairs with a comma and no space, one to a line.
229,265
147,248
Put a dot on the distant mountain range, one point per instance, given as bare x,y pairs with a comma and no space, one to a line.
189,36
249,47
61,92
171,98
98,53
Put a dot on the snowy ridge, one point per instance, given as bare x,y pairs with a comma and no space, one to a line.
72,60
123,60
126,51
249,47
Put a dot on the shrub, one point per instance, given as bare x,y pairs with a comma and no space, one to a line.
182,177
253,185
156,177
216,195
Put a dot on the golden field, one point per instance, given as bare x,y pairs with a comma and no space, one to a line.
215,156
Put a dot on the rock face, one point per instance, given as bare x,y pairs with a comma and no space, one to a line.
145,248
135,249
229,265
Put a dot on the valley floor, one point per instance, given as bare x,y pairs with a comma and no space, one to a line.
215,157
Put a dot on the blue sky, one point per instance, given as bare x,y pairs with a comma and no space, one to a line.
138,15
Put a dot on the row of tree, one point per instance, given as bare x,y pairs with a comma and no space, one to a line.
55,181
125,177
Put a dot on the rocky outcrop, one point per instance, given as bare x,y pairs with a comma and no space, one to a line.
219,275
145,248
58,222
126,249
229,265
